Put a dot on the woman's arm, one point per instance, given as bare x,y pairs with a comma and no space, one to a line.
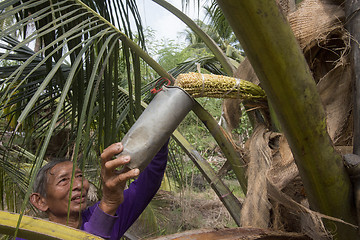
135,199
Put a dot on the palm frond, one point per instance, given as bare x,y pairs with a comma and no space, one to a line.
73,80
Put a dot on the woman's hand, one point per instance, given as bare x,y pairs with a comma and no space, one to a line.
114,181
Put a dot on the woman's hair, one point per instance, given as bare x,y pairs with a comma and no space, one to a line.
41,178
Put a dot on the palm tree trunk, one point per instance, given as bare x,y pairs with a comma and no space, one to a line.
353,24
279,64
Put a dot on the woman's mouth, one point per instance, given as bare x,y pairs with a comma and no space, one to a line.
79,199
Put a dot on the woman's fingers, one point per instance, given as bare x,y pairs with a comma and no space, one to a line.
113,179
111,165
110,151
121,178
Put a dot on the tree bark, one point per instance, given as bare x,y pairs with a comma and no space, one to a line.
352,24
282,70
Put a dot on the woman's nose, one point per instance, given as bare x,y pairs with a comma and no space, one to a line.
77,183
80,184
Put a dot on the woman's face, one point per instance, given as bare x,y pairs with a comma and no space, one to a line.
58,190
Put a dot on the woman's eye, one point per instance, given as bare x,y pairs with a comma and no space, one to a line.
63,180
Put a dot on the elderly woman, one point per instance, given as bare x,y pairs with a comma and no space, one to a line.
118,208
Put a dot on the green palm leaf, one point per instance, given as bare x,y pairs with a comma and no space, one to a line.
67,83
82,76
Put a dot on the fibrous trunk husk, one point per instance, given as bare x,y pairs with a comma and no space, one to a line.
275,197
256,207
234,233
318,27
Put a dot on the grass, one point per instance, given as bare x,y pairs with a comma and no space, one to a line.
182,211
195,206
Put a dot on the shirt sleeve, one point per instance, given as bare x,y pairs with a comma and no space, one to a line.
136,198
100,223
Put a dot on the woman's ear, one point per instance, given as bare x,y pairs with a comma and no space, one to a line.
39,202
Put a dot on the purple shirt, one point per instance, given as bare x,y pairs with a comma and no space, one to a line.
136,198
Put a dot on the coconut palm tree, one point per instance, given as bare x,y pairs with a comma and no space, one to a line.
76,91
273,39
90,101
79,89
311,146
